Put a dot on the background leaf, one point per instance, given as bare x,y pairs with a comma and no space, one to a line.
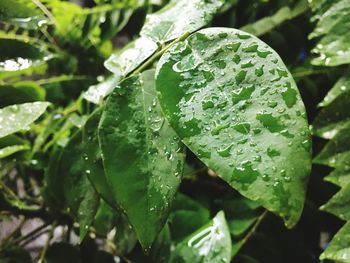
17,117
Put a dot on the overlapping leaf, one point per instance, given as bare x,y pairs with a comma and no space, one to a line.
211,243
22,13
159,28
333,21
333,122
139,146
232,101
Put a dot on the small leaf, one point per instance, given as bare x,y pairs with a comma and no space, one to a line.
21,13
211,243
96,93
233,102
186,216
334,116
140,150
178,17
9,150
19,55
339,204
21,92
131,56
333,46
339,248
17,117
336,150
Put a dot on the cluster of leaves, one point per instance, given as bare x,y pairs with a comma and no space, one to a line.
333,121
157,141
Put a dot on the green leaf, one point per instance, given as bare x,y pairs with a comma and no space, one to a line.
339,204
93,158
284,14
339,248
9,150
160,27
341,175
333,46
141,151
61,90
21,13
178,17
211,243
186,216
342,85
96,93
17,117
68,185
337,150
333,118
21,92
232,101
131,56
19,55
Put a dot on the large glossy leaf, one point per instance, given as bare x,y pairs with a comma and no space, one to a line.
140,150
333,22
232,101
211,243
17,117
21,13
178,17
339,248
19,55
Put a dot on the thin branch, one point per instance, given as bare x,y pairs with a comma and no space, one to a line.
46,246
255,227
45,11
158,54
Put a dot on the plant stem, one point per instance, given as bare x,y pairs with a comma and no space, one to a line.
46,246
255,227
158,54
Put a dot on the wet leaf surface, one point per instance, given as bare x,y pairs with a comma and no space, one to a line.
232,101
19,116
139,146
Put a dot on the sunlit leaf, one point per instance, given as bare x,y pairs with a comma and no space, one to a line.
17,117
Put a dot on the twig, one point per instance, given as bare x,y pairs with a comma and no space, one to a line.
255,227
19,226
45,10
158,54
46,246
